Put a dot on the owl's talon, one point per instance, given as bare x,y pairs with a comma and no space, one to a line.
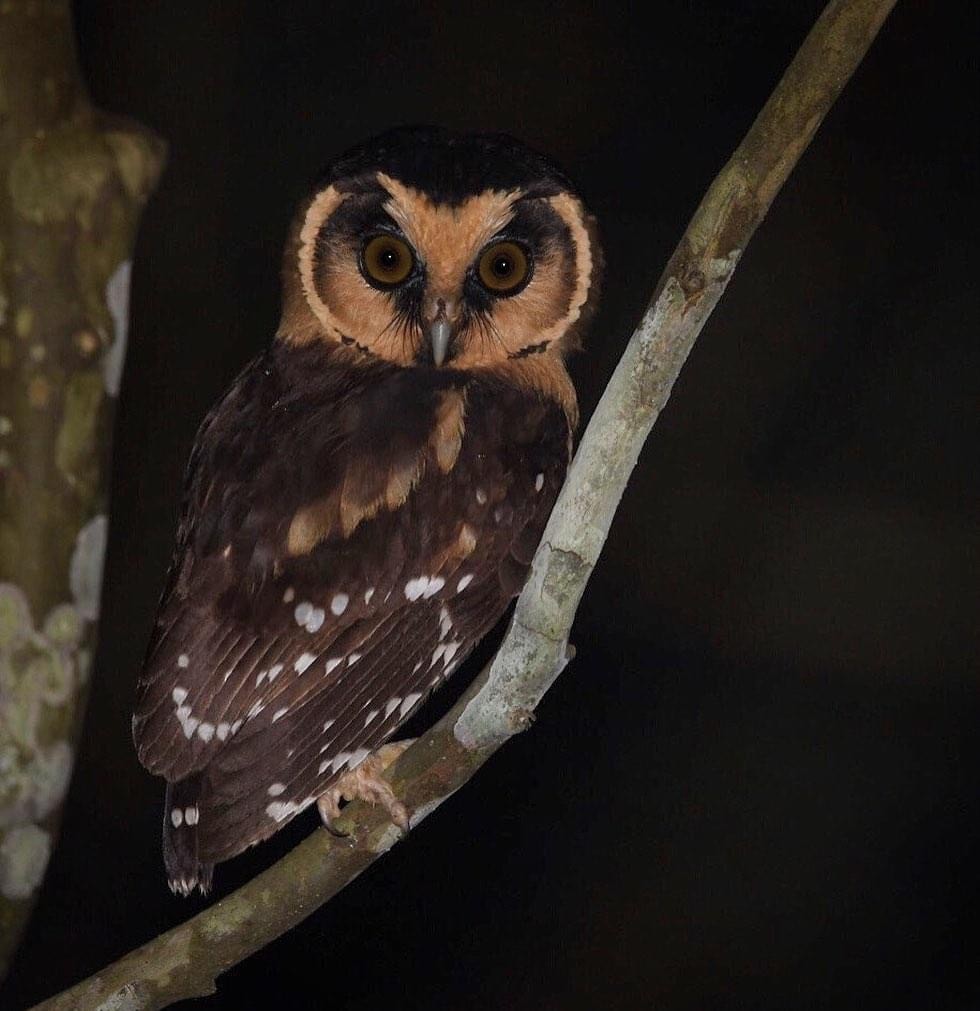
366,783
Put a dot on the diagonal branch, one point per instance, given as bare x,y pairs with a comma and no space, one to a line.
186,961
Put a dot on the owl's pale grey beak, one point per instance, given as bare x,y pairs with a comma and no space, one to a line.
440,330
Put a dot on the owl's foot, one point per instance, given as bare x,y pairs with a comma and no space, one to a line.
366,782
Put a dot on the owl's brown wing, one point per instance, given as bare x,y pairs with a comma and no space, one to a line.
340,553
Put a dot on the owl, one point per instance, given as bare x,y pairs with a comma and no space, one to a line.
364,502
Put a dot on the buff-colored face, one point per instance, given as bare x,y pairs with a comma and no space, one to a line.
385,270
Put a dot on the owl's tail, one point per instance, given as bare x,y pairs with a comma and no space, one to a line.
181,813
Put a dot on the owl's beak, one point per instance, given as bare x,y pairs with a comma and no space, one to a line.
441,331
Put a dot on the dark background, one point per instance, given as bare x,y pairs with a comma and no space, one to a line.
756,787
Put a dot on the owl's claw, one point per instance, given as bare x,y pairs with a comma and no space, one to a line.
367,783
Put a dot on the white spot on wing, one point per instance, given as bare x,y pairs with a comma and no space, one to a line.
353,658
191,815
358,757
437,652
222,730
339,603
339,761
289,596
445,623
315,621
371,716
451,648
176,817
464,582
408,702
436,583
274,671
414,588
368,594
183,660
539,482
280,713
329,724
302,612
205,731
333,661
179,694
276,789
393,703
303,662
481,496
280,810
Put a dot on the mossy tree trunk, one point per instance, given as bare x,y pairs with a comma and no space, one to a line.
72,184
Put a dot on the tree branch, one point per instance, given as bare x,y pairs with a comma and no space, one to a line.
72,185
186,961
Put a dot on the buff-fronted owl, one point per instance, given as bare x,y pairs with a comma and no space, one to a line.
364,502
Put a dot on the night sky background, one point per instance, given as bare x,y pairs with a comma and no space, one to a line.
756,786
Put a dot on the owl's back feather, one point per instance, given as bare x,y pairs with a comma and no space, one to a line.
349,534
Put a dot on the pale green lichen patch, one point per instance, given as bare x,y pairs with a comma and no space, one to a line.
117,302
24,321
138,160
16,624
4,299
49,775
85,570
131,997
226,919
64,626
38,675
75,454
24,855
60,174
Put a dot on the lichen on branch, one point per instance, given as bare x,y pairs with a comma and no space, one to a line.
72,185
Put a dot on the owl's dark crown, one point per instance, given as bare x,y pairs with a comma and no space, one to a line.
447,166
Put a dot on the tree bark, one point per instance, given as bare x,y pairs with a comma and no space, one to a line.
72,183
185,961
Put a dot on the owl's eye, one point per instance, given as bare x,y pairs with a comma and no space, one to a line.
386,260
504,267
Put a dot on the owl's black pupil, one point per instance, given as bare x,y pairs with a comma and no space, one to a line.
388,258
502,265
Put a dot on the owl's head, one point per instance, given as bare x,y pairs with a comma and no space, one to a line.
425,248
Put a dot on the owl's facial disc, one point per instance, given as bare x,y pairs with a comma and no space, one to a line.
498,275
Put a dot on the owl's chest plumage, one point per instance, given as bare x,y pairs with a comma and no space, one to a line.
349,534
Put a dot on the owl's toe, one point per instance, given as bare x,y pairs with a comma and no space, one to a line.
366,783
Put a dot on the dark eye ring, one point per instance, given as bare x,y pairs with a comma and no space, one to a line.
386,260
504,268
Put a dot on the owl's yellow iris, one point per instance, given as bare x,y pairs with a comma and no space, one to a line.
503,267
387,259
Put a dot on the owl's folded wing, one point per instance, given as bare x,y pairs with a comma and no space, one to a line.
300,629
